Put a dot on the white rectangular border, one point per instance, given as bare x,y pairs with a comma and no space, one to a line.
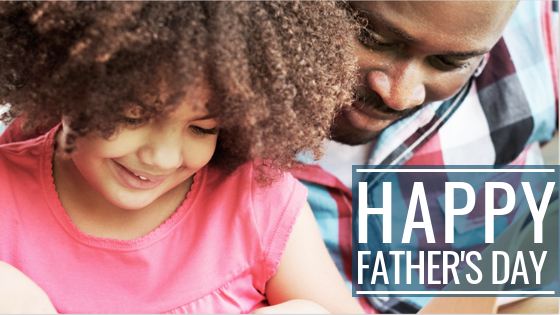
367,170
456,292
438,170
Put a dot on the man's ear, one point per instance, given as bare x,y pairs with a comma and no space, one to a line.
482,64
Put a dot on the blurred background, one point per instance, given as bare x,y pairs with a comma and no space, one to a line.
550,151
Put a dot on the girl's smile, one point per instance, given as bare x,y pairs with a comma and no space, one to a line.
137,179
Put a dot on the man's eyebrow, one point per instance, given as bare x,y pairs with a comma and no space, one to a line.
379,18
473,53
375,16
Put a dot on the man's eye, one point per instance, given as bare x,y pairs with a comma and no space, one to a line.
446,64
370,38
202,131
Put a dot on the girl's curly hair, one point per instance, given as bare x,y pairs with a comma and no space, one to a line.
279,70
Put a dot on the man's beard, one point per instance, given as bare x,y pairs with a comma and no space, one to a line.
375,102
351,136
342,131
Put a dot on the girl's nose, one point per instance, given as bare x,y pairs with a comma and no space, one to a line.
163,150
400,86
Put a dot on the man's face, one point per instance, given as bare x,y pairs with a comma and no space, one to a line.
412,54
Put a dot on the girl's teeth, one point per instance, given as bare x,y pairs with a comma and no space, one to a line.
142,177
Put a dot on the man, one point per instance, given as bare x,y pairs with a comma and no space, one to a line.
424,99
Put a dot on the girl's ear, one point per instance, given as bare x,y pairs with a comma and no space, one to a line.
66,138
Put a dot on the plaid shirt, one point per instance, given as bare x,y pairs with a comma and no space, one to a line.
500,117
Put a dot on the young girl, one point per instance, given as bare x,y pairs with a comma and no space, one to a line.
159,187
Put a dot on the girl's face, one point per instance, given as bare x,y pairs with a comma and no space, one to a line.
147,158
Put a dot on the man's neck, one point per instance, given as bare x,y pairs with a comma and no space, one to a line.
339,158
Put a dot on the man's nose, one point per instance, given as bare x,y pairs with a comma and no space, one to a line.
163,149
400,85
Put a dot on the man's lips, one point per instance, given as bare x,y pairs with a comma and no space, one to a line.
367,110
367,119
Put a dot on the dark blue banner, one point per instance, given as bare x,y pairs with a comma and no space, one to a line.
455,231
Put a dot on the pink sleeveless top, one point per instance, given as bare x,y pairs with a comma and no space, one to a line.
213,255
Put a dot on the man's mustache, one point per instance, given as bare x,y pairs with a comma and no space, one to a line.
376,103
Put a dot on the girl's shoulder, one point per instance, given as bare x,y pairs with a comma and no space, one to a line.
22,178
14,153
242,184
270,212
21,162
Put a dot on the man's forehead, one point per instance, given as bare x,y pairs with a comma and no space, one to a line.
461,25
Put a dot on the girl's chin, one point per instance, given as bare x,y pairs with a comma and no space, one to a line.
132,201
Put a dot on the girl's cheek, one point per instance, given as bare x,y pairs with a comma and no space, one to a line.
199,153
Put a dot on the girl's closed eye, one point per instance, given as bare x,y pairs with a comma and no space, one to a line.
205,125
132,121
204,131
133,116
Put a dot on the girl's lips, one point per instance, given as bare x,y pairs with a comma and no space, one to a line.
146,175
137,179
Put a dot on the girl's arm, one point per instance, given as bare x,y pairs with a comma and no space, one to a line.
20,295
307,275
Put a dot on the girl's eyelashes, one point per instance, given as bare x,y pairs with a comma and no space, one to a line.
136,122
133,115
132,121
203,131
